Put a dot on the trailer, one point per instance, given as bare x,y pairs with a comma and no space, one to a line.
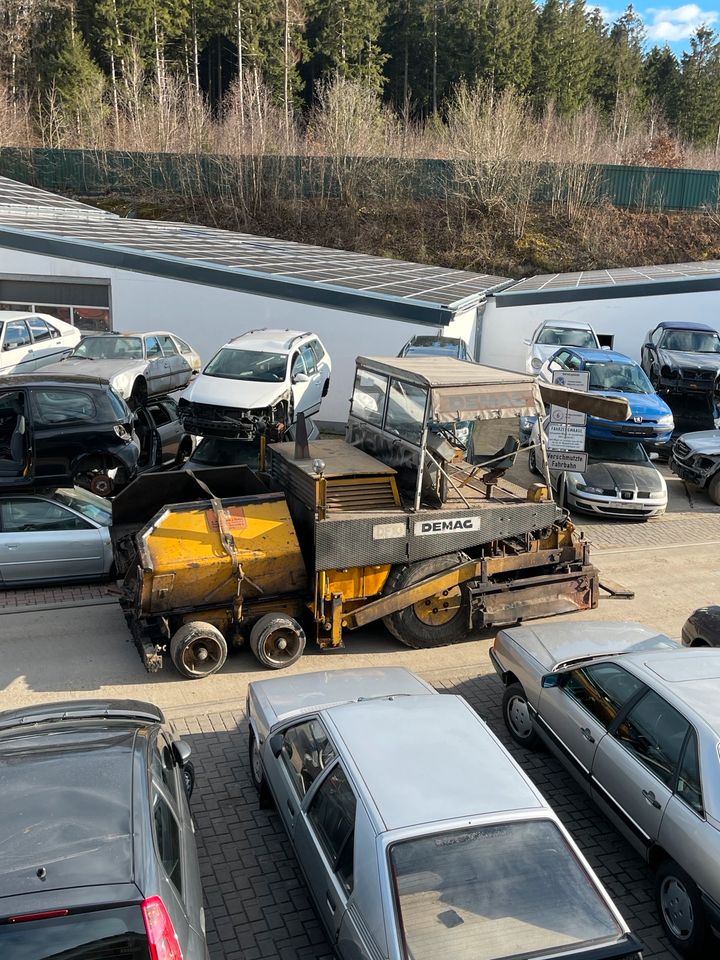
402,521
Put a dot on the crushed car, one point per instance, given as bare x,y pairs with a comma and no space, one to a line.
258,384
682,357
695,458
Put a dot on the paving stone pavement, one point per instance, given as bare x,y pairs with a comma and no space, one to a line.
256,900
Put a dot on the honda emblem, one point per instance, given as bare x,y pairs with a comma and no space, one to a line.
637,419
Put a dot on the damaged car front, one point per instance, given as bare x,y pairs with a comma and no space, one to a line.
682,358
696,459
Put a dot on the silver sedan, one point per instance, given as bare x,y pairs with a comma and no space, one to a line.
635,718
59,535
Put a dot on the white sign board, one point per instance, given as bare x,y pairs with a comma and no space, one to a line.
572,379
572,462
565,436
566,415
429,528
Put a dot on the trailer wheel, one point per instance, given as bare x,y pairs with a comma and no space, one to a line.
441,619
198,649
277,640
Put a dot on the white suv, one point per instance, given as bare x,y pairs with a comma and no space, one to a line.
258,382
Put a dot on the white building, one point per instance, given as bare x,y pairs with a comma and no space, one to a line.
102,271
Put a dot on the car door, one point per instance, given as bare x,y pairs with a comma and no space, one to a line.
16,354
635,766
299,387
47,342
575,714
324,840
306,751
168,429
158,373
15,438
42,540
648,351
313,394
177,368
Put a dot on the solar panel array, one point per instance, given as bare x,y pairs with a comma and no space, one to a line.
15,194
610,278
281,259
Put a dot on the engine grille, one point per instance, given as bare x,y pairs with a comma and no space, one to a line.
360,496
681,450
688,373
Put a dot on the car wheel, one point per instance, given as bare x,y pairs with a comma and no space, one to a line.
197,650
101,484
681,911
139,395
436,621
517,717
532,463
714,489
257,773
277,640
188,778
326,387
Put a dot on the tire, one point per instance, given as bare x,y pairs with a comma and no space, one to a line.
437,621
139,395
277,641
532,463
101,485
681,912
516,714
326,387
256,773
714,488
188,778
197,650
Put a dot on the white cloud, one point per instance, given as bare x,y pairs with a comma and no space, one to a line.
678,23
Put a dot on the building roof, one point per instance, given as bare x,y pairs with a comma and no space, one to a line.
39,222
648,281
421,774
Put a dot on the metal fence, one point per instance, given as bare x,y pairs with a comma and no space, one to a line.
92,173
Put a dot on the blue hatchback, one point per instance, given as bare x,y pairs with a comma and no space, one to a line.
615,375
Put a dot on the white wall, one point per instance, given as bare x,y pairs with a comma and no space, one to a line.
629,319
208,316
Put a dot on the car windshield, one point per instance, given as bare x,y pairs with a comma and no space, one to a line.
619,376
109,348
691,341
248,365
610,451
566,337
435,348
110,932
220,452
492,892
91,506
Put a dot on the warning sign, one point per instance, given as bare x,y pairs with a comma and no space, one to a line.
567,460
565,436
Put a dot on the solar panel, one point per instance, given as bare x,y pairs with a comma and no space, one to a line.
39,212
608,278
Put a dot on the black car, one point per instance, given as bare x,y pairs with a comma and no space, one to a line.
681,357
702,628
98,849
452,347
65,430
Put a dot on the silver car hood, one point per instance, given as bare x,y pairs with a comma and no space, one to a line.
562,643
703,441
104,369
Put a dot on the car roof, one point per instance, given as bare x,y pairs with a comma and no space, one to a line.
424,759
279,341
67,805
684,325
39,379
567,324
26,314
598,356
689,678
127,333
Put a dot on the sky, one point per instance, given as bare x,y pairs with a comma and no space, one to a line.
670,25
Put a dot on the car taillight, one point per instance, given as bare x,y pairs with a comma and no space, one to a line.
162,938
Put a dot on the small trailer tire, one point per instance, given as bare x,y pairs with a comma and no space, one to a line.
277,640
198,649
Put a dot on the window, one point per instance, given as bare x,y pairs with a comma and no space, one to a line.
688,787
309,358
602,689
368,400
654,732
406,411
33,516
163,766
160,414
298,365
91,318
152,348
622,377
39,329
60,313
168,346
306,752
332,814
82,501
317,349
16,335
184,347
86,935
691,341
167,835
566,336
110,348
562,357
62,406
254,365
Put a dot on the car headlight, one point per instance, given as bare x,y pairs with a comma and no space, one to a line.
536,363
666,421
585,488
668,372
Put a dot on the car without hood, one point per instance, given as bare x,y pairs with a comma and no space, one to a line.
635,718
552,334
258,383
409,851
137,365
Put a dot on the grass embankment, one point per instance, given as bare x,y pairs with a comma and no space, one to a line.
482,241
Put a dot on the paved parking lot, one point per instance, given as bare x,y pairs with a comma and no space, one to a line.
71,642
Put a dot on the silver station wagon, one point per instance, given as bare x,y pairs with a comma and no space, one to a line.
636,719
418,835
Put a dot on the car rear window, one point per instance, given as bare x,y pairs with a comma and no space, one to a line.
111,934
493,892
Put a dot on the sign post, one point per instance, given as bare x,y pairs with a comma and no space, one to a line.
566,427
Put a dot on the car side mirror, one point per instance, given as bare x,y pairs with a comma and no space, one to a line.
527,342
182,751
8,346
551,680
300,378
648,346
276,743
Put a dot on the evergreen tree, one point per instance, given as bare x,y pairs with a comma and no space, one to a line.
700,86
346,35
547,54
660,82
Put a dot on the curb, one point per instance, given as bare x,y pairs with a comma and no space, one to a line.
57,605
